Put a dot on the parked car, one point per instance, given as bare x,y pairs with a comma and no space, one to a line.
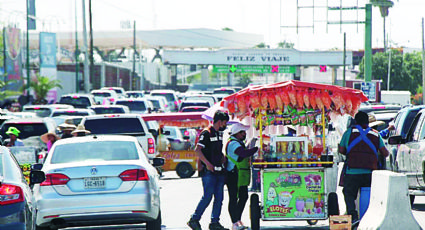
410,155
45,110
102,96
110,109
224,90
17,204
136,105
98,180
127,124
134,94
72,112
379,108
119,90
78,100
172,99
209,98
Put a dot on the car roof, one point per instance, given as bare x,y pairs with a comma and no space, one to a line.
121,115
108,106
163,91
25,120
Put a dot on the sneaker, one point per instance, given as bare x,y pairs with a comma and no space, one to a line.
217,226
194,224
238,226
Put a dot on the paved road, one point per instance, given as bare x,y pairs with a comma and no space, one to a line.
179,198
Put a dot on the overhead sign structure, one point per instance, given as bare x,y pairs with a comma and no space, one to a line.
369,89
254,69
275,57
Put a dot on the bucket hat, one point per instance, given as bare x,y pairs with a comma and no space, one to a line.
45,136
66,126
80,129
238,127
13,130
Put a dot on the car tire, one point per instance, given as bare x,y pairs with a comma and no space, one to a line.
184,170
255,212
42,228
155,224
312,222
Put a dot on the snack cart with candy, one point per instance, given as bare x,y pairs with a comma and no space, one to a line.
298,173
183,161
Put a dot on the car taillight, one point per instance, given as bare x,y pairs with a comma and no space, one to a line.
186,133
10,194
111,100
134,175
40,156
151,146
55,179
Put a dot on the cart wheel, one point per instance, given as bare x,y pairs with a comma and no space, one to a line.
333,207
255,212
312,222
184,170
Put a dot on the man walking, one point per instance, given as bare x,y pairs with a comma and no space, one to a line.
209,150
361,145
239,173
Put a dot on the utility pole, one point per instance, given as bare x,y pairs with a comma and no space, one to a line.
91,42
28,54
77,63
368,44
423,62
343,61
389,69
134,56
86,59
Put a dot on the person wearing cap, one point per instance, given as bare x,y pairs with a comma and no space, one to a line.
66,130
209,150
239,173
362,147
80,131
13,140
49,138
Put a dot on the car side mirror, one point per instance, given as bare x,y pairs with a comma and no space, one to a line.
36,177
36,167
396,140
158,161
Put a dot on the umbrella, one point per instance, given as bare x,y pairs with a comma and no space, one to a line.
209,113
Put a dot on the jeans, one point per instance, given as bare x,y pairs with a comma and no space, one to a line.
213,185
238,196
352,185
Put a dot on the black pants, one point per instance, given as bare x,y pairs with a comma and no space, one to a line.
352,185
237,196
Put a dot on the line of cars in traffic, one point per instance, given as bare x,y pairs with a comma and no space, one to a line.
108,177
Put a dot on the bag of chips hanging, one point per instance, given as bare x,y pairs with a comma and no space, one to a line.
306,98
300,99
254,100
313,95
355,100
337,100
242,106
279,103
231,106
348,104
319,100
272,100
292,97
326,99
284,96
264,100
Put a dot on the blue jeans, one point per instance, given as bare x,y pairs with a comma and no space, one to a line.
213,184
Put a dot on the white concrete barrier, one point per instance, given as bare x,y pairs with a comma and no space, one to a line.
389,206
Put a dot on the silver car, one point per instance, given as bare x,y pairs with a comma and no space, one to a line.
98,180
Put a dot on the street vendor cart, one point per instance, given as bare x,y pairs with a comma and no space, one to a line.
183,160
298,173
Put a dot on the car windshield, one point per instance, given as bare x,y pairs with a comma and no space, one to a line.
133,105
77,102
194,109
26,129
40,112
69,113
1,164
114,125
134,95
94,151
155,103
104,94
108,110
168,96
195,103
223,91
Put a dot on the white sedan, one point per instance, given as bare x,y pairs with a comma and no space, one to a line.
98,180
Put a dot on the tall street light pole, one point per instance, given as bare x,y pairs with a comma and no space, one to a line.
77,63
91,42
28,55
86,60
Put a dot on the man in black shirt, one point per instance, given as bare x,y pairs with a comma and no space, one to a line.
209,150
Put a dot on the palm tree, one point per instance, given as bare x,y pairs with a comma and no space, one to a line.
42,86
4,92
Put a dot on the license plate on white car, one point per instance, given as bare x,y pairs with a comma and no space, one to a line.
94,182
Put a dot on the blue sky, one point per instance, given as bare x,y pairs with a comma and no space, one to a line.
251,16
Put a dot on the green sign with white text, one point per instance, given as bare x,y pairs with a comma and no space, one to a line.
253,69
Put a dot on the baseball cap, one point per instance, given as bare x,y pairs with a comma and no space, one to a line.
236,128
